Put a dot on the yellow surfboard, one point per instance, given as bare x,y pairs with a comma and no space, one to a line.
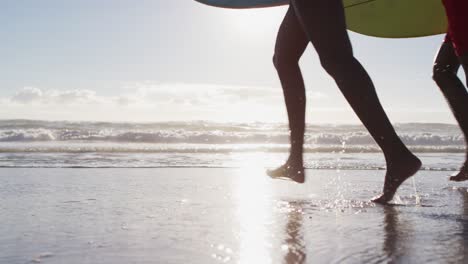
378,18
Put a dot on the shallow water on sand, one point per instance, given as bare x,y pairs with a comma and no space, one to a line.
196,215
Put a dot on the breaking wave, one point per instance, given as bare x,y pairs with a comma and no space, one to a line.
210,137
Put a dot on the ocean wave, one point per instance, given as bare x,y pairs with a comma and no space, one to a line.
435,136
168,165
44,144
219,137
205,148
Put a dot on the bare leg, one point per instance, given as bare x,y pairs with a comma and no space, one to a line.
445,70
463,174
325,25
290,45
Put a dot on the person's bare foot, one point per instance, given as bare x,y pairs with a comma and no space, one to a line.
399,172
462,175
288,171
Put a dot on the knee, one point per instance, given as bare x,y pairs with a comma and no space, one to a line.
284,63
441,74
336,66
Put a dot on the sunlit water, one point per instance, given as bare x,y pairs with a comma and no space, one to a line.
32,143
336,160
220,215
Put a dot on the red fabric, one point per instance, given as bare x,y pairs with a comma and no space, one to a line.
457,14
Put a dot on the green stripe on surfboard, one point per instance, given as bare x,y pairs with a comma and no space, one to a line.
378,18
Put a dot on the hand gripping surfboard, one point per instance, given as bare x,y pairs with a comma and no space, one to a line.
378,18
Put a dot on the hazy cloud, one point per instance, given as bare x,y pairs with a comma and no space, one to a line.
147,101
74,96
33,95
201,94
27,95
147,94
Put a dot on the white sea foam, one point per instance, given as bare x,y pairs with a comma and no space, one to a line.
25,143
426,136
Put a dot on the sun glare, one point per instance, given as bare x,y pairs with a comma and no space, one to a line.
254,213
256,22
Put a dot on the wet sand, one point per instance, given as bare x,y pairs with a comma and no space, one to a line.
196,215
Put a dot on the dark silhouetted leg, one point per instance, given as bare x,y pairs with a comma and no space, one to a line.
290,45
445,71
324,24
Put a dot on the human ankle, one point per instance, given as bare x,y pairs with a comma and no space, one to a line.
295,160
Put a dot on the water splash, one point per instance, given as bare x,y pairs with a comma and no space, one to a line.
416,194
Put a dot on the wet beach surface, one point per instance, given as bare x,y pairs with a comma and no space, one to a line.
199,215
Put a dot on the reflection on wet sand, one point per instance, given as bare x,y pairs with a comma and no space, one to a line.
274,226
464,224
390,228
294,240
255,217
396,236
391,232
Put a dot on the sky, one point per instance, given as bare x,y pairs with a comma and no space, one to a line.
179,60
